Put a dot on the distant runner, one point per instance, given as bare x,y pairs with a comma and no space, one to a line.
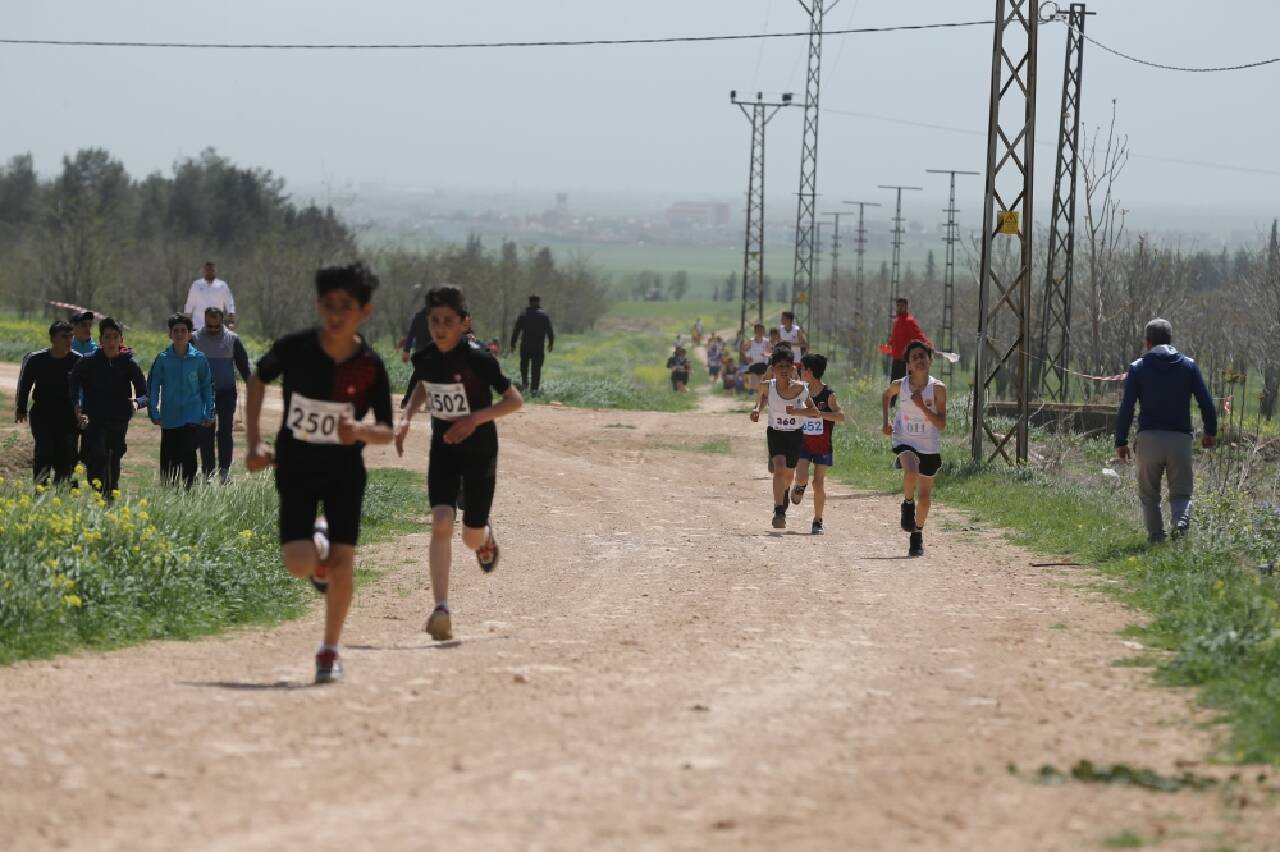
791,334
52,418
917,433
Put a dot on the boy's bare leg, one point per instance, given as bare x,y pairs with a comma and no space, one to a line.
802,473
337,600
819,489
924,500
440,554
782,479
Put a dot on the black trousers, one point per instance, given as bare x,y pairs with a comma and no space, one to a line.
224,401
104,446
534,360
178,454
55,445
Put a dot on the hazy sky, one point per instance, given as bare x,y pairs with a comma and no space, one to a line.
645,118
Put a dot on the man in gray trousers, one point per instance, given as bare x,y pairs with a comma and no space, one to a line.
1162,383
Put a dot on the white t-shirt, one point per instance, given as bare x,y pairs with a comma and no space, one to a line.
791,337
758,351
204,295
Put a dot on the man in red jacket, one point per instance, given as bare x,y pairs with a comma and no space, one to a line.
905,330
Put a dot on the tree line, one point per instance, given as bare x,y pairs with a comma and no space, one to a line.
96,236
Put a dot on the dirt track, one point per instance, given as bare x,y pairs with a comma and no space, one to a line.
652,667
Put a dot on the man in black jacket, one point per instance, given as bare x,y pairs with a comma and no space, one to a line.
53,424
106,388
535,326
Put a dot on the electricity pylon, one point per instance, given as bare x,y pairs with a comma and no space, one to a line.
829,314
896,269
947,338
860,281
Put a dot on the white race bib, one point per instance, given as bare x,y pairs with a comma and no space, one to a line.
447,402
813,426
313,421
785,422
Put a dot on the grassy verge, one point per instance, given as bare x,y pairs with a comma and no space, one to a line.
1213,618
19,336
78,572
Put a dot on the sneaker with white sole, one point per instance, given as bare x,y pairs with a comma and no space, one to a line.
779,518
487,555
818,529
328,666
320,579
440,624
797,493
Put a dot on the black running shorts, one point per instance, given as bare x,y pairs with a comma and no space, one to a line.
304,484
758,369
785,443
471,465
930,463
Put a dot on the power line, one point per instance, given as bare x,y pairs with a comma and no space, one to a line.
487,44
1207,69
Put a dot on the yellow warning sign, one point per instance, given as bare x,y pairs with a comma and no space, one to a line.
1007,222
802,296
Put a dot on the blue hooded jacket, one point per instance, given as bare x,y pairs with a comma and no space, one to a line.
180,389
1163,381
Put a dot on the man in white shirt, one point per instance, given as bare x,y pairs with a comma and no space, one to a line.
210,292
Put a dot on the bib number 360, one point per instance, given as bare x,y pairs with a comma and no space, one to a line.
447,401
315,421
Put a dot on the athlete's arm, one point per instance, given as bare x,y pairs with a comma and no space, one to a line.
462,429
937,418
417,397
889,393
761,401
806,410
835,414
259,456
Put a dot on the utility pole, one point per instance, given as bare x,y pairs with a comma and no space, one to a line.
896,269
1007,212
807,198
832,309
859,280
759,112
1059,279
947,339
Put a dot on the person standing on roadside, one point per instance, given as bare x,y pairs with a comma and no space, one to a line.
535,326
106,388
210,292
52,418
226,358
905,330
180,401
1162,383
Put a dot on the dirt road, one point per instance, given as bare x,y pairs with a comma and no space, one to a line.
651,667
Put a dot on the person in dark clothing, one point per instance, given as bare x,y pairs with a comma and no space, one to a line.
1162,383
416,336
106,388
533,330
52,420
226,358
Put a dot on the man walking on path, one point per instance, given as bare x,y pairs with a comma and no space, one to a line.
535,325
905,329
226,358
416,336
210,292
52,417
1162,382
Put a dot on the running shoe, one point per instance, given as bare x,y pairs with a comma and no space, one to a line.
818,529
487,555
917,543
439,624
797,493
328,666
320,578
1180,530
779,518
908,516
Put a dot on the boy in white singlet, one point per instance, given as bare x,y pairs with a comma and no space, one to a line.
788,404
917,433
755,354
791,334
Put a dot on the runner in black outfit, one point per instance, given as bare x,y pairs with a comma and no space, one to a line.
332,379
53,422
107,387
535,325
455,376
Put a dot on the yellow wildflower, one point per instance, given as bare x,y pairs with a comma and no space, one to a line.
184,558
246,534
56,502
96,483
142,504
75,492
115,492
72,600
40,489
52,563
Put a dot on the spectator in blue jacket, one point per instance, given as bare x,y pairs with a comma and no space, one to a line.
106,388
82,341
226,356
1162,382
180,401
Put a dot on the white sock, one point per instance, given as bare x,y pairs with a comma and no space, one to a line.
324,647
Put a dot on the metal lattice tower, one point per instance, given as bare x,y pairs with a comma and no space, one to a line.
896,268
947,337
807,198
1059,279
759,112
859,281
830,313
1007,211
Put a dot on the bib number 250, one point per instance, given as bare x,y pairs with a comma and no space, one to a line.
314,421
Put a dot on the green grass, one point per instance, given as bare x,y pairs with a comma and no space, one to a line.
1124,840
159,564
19,336
1207,608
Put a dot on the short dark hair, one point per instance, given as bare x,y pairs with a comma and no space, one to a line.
781,355
1159,332
181,319
758,325
109,324
917,344
356,279
59,327
448,296
901,300
815,363
774,330
82,316
788,315
534,300
214,310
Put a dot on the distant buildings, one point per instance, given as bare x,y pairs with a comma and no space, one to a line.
706,214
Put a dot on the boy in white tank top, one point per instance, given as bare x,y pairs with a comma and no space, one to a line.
917,432
788,404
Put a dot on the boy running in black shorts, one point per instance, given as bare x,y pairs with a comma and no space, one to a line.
332,379
917,436
816,449
455,377
788,403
